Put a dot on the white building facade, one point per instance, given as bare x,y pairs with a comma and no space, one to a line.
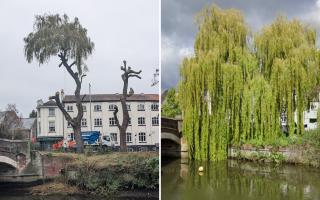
142,132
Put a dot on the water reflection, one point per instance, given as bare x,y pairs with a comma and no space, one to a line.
238,180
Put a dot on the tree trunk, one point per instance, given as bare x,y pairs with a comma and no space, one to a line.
76,121
123,140
78,138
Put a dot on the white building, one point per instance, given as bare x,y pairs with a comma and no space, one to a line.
142,132
309,117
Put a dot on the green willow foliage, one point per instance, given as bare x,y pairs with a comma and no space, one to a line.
236,86
170,107
55,34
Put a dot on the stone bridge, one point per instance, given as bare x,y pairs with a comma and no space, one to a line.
14,155
173,144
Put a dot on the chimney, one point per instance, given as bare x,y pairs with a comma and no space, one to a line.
62,94
39,102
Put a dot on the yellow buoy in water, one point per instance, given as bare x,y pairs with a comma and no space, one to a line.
200,169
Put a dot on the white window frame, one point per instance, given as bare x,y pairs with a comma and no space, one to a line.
129,135
52,112
84,108
142,137
155,107
54,127
129,122
155,121
128,107
97,108
141,121
98,122
84,122
112,121
141,107
112,107
69,108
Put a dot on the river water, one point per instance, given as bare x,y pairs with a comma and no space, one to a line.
23,194
235,180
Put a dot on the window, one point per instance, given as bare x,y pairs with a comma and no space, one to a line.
84,122
155,121
70,108
52,126
141,107
97,122
84,108
97,108
112,121
129,122
142,137
114,137
128,107
112,106
69,124
154,107
129,138
141,121
51,111
106,138
313,120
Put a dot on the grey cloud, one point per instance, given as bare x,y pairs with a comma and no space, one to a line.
120,30
179,27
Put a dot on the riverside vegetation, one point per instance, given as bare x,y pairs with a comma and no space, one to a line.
239,84
106,174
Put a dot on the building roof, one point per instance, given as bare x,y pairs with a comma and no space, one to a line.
112,97
27,123
49,103
103,98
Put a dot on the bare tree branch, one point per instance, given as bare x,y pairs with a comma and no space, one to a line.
137,76
61,107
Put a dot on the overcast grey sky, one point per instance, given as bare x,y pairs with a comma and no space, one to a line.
179,30
121,29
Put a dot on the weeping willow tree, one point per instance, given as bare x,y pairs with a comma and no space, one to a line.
289,60
56,35
236,86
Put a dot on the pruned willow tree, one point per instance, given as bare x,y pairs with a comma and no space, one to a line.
127,73
237,86
55,35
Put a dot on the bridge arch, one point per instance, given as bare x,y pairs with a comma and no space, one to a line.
170,136
9,161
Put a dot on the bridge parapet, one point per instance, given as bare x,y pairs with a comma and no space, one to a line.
17,150
172,142
170,125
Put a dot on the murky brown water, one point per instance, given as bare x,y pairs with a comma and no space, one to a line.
233,180
22,194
